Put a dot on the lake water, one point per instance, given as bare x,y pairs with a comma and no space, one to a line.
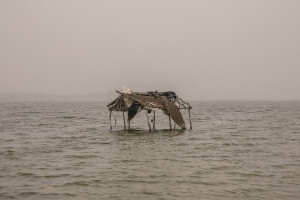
64,150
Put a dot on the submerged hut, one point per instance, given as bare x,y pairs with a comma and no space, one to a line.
133,102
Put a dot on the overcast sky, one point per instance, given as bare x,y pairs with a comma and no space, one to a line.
201,49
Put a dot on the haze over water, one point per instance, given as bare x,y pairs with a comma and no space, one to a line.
202,50
55,56
64,150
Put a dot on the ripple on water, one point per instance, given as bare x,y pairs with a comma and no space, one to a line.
65,150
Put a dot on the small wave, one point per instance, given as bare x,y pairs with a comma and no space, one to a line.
194,138
182,144
91,129
8,140
69,194
230,144
100,143
250,174
27,193
54,175
79,183
7,196
196,182
81,156
25,174
67,117
32,112
45,124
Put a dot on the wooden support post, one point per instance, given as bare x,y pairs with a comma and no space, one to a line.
190,119
115,119
128,121
170,122
148,120
110,120
153,119
174,125
124,121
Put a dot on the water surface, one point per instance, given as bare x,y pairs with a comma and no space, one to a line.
64,150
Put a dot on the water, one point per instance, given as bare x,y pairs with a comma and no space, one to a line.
64,150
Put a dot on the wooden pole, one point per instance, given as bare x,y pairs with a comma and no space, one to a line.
110,120
128,121
190,119
174,125
148,120
170,122
154,120
124,121
115,119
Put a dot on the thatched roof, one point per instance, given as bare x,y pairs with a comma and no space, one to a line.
168,102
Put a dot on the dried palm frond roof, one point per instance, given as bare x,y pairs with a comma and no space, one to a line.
168,102
150,100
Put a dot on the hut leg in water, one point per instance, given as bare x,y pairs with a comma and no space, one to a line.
170,122
153,120
148,120
174,121
190,119
124,121
110,120
115,118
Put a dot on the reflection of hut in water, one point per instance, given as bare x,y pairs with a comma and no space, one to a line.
133,102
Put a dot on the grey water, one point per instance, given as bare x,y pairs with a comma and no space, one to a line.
65,150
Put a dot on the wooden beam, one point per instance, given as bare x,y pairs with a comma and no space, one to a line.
170,122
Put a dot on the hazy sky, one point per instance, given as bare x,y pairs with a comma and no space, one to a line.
202,49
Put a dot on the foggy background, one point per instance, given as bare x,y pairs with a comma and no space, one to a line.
203,50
